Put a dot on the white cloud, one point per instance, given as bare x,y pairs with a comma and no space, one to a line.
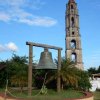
38,21
8,47
32,4
11,46
17,11
45,21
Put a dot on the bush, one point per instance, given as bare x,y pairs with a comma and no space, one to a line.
83,80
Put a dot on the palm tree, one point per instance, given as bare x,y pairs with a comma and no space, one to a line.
67,73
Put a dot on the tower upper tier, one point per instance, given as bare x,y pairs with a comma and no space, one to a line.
71,1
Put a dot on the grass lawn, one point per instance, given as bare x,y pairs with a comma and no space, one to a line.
51,95
97,95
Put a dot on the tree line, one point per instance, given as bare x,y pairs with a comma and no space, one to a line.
93,70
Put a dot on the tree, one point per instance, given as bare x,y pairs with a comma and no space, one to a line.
17,71
98,70
67,73
3,74
71,76
92,70
83,80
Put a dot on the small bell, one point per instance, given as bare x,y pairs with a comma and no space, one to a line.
46,61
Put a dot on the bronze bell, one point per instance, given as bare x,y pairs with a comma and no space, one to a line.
46,61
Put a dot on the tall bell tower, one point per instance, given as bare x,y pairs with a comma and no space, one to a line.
73,38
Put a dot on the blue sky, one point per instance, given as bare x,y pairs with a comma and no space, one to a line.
43,21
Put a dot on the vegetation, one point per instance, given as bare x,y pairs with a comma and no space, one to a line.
83,80
19,74
67,73
51,95
15,71
93,70
71,77
3,74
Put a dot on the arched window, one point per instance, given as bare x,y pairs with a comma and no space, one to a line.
74,57
73,33
72,7
72,22
73,44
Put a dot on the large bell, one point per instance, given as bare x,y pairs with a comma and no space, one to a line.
46,61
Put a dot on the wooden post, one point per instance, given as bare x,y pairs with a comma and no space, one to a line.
31,44
58,71
30,70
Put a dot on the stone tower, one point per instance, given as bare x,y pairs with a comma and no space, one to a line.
73,38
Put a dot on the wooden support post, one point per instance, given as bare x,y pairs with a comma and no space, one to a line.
30,70
31,44
58,71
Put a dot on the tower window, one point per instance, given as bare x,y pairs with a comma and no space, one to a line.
72,7
74,57
73,44
72,21
73,33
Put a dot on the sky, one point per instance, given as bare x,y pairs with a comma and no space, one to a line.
43,21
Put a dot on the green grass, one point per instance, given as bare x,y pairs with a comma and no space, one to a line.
63,94
97,95
2,89
51,94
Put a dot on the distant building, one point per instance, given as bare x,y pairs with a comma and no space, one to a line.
96,75
95,82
